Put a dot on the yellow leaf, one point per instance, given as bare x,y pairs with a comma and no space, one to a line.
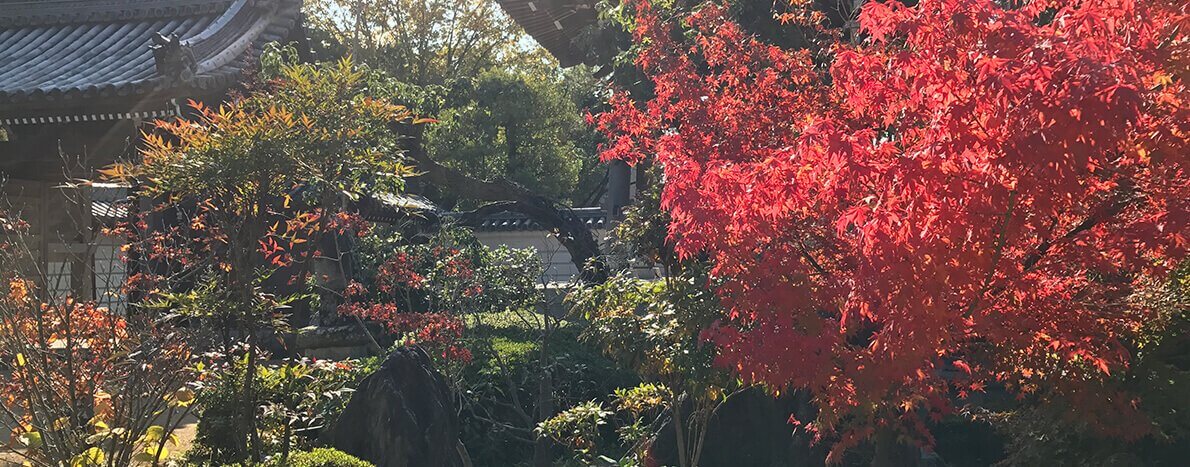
32,439
90,457
183,397
1162,79
154,434
114,172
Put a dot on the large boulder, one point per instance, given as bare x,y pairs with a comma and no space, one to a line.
401,416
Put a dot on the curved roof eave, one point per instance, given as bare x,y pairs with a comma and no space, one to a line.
97,55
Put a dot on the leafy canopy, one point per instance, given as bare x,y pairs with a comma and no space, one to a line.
964,192
424,42
317,129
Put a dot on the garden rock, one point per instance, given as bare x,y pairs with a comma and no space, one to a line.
336,342
401,416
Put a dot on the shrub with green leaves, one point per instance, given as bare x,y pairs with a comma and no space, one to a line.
295,401
653,328
447,272
578,426
499,389
322,457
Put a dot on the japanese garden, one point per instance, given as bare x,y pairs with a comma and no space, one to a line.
616,233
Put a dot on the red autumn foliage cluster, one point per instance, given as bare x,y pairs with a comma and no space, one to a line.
431,330
967,193
399,271
405,305
88,332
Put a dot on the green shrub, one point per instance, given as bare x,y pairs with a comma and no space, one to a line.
318,457
295,400
323,457
507,347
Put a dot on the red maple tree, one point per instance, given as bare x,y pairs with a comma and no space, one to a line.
965,192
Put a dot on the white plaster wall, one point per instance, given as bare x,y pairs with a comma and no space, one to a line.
554,257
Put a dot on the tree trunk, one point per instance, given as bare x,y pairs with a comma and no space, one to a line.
543,448
890,452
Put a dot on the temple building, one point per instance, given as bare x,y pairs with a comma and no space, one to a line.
555,25
79,80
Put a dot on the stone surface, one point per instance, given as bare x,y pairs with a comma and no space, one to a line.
401,416
316,337
338,353
335,342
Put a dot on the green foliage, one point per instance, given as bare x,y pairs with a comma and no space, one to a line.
582,427
521,127
643,398
208,299
643,231
275,57
423,42
504,108
322,457
294,402
578,426
652,327
514,339
317,457
504,372
318,129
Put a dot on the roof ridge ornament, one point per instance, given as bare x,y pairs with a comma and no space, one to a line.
173,58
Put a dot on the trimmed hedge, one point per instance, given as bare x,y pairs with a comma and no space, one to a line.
323,457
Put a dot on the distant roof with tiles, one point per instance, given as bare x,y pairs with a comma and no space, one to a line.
81,60
594,217
554,24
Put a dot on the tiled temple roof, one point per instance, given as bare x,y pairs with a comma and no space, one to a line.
101,56
594,217
388,208
554,24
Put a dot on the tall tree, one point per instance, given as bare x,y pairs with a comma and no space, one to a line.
424,42
519,127
964,191
509,131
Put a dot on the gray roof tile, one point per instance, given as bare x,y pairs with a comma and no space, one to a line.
67,51
553,23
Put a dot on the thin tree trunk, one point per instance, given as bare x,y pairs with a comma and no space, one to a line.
543,448
890,452
679,424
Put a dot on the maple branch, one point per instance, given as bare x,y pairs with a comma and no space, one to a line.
571,232
810,258
1001,240
1109,210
